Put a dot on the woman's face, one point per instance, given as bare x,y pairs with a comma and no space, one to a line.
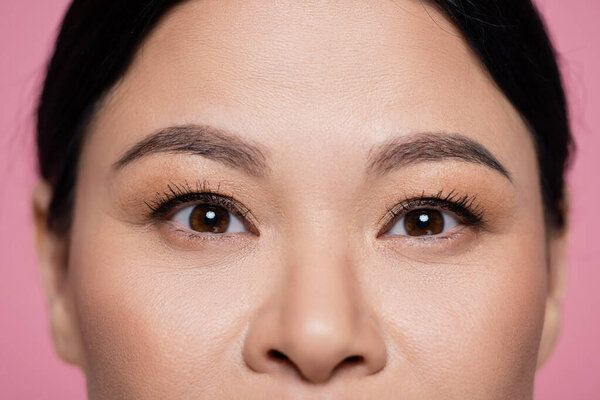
375,231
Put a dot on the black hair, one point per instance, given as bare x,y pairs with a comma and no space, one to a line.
98,39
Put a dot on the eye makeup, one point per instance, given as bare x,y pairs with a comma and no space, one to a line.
465,207
177,196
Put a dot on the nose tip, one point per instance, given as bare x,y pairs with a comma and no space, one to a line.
320,350
314,350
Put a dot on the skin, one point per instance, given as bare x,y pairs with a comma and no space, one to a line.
150,310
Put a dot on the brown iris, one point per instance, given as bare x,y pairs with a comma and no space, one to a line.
423,222
209,218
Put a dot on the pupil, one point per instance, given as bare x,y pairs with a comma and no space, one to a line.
210,218
423,221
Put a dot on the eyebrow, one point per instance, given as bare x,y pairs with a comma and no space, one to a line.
424,147
202,140
236,152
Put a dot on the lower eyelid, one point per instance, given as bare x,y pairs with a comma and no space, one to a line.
451,241
452,233
176,235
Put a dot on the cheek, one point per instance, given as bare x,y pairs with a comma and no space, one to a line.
475,318
155,323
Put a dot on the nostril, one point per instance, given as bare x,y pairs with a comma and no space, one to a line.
353,360
349,363
277,355
282,361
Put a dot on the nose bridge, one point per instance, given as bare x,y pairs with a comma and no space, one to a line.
320,288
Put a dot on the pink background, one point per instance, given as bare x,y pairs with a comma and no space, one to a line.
30,370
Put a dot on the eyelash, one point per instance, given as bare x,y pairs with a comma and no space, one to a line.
464,207
163,206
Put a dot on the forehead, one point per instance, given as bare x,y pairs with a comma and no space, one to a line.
326,72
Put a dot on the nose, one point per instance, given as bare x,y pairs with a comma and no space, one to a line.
316,324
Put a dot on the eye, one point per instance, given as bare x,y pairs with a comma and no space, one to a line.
423,222
208,218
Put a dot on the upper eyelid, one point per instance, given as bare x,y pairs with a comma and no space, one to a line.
179,202
412,204
475,215
194,198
